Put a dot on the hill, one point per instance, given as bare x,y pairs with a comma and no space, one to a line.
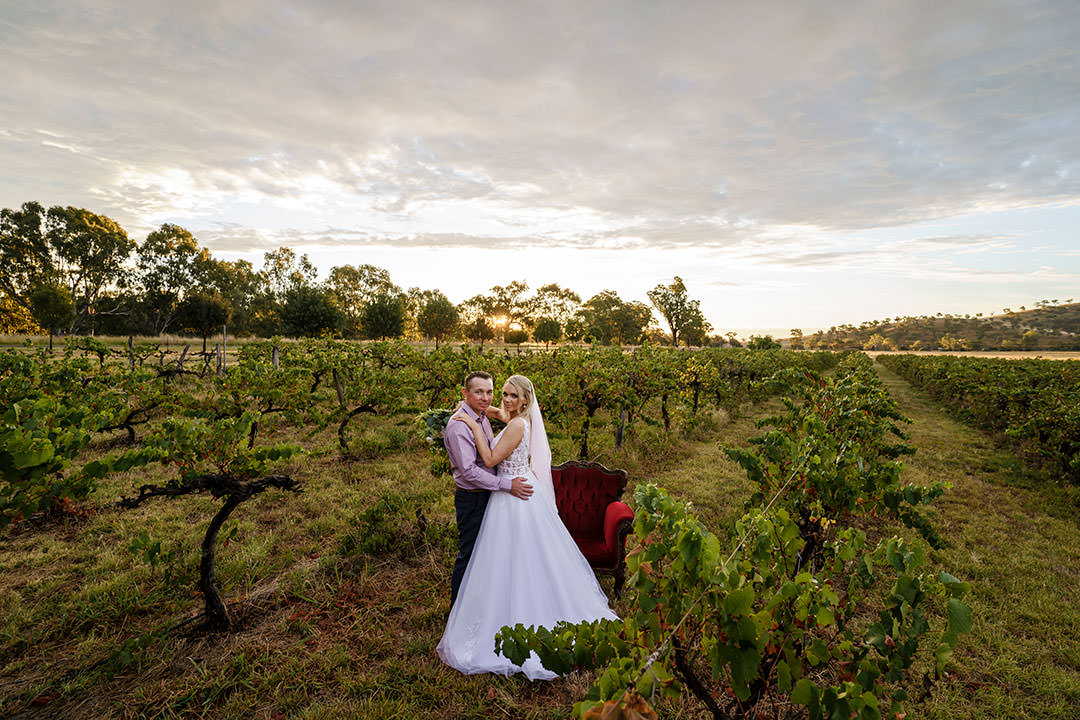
1048,326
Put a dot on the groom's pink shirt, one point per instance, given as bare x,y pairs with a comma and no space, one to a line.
470,472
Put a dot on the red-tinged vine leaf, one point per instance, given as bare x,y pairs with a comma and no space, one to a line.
630,707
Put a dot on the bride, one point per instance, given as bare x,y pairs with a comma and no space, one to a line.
525,567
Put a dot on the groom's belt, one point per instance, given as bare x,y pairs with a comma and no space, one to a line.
470,490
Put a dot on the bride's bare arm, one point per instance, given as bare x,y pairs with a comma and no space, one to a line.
506,444
496,413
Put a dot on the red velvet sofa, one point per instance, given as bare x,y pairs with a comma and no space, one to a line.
588,496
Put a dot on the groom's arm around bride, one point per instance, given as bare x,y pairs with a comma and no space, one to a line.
473,480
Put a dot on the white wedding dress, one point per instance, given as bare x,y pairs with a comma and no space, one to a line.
525,568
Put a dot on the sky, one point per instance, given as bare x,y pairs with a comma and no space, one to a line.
798,164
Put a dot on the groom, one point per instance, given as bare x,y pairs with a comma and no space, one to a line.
473,480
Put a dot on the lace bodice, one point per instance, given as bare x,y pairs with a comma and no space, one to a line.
516,464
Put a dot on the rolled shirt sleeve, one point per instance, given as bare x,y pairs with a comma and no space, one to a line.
470,473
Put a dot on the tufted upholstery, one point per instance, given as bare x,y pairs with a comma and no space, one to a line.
589,499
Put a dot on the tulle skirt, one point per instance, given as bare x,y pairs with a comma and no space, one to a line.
525,568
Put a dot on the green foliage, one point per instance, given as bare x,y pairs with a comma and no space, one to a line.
383,317
680,312
763,342
1034,403
438,318
202,314
154,553
52,307
42,431
547,330
311,312
376,530
778,617
430,426
834,450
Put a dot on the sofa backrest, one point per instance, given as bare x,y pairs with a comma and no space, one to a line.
583,490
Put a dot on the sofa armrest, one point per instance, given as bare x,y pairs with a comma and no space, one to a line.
616,514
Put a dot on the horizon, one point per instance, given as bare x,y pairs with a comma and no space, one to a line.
795,165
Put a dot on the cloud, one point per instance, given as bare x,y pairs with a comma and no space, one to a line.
779,135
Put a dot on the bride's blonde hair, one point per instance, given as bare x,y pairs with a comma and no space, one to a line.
527,394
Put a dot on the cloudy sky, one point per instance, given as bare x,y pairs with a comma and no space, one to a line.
796,163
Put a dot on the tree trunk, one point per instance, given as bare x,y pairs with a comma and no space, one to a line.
338,389
583,452
682,664
215,606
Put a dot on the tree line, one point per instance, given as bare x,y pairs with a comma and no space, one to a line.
71,271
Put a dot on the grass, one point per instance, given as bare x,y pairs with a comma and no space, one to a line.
1015,538
329,631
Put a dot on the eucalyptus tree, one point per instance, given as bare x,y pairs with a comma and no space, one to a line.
52,308
608,319
311,311
476,315
244,290
69,246
356,287
438,317
167,268
676,307
510,307
555,302
547,330
203,314
384,317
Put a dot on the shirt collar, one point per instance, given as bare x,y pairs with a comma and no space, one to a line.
472,413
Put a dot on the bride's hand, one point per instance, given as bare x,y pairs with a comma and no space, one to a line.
465,419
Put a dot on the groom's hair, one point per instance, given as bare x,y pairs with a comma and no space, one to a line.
477,374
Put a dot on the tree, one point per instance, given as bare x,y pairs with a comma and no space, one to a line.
53,308
358,286
384,317
437,317
167,265
554,302
796,342
24,253
547,330
515,337
763,342
696,330
676,308
607,319
476,314
69,246
14,318
875,342
90,252
283,271
311,312
203,314
244,291
507,307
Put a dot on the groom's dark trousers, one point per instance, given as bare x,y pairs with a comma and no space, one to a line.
470,506
473,483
